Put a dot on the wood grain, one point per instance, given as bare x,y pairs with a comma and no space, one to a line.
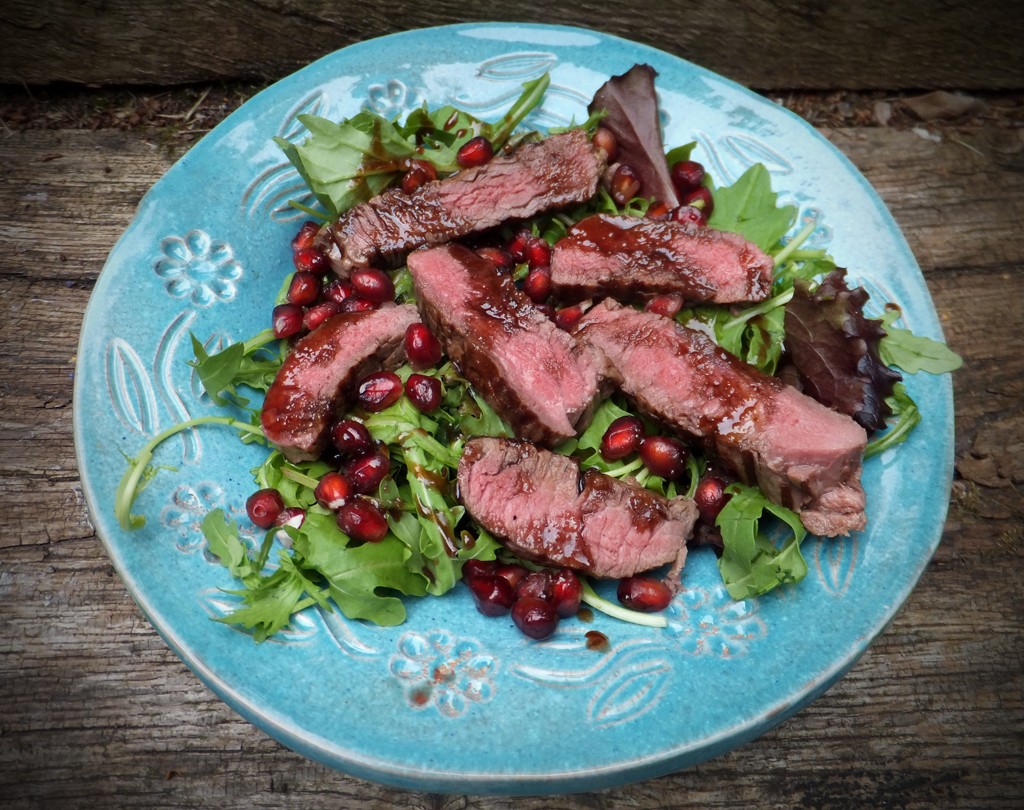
98,712
760,43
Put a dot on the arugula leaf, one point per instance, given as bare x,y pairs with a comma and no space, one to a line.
748,207
751,564
224,542
906,416
248,363
913,353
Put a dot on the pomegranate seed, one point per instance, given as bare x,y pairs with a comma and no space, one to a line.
538,253
373,285
690,213
658,210
379,390
420,172
356,304
513,573
687,175
667,305
263,507
622,437
566,592
537,284
478,568
664,456
710,497
338,290
625,185
286,320
492,594
536,584
304,289
292,517
333,490
424,392
605,139
352,438
501,259
362,521
518,245
366,472
316,315
535,617
311,260
701,198
421,347
304,238
644,594
568,317
474,152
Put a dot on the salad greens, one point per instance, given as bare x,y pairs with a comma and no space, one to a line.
429,536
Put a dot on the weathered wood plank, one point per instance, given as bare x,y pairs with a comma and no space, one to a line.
98,712
760,43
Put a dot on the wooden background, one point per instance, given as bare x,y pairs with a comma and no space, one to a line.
96,710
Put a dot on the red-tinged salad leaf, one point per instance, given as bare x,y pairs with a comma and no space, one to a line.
631,114
835,350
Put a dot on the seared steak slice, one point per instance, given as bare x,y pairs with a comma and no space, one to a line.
531,372
553,173
310,388
633,259
541,506
799,452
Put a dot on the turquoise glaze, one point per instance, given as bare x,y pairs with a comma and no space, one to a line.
452,701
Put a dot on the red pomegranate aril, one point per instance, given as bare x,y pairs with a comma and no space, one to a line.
536,584
304,238
537,284
424,392
366,472
658,210
474,152
605,139
311,260
478,568
691,214
332,490
625,185
361,520
518,246
492,594
373,285
352,438
566,592
421,347
293,517
701,198
664,456
379,390
644,594
567,317
538,253
622,437
316,315
263,507
687,175
338,290
501,259
356,304
667,305
535,617
304,289
420,172
513,573
286,320
710,497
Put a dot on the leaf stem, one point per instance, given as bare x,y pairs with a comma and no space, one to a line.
794,243
130,487
591,598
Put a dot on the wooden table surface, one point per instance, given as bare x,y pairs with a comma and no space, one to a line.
97,712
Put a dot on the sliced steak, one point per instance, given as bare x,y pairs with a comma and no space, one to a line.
311,387
799,452
541,506
633,259
553,173
531,372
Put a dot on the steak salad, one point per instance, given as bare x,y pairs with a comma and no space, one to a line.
530,361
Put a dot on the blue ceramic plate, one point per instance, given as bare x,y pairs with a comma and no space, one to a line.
453,701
